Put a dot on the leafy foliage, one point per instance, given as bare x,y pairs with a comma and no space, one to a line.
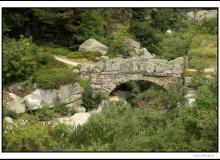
174,95
91,99
19,59
146,35
174,45
30,138
61,109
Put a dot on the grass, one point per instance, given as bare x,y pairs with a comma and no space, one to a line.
186,73
56,50
203,49
91,56
53,75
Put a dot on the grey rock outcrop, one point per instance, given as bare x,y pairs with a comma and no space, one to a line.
40,98
92,45
201,14
68,94
14,103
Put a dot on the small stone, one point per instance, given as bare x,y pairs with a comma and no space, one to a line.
8,119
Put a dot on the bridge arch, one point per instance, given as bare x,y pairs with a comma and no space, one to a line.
108,82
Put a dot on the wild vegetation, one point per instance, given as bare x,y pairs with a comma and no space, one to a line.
151,119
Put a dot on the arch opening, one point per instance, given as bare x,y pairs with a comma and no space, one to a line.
131,88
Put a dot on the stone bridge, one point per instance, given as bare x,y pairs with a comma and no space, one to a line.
106,76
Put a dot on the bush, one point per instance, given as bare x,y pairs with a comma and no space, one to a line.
91,99
54,77
146,35
19,59
174,45
44,58
61,109
46,114
88,55
29,138
173,96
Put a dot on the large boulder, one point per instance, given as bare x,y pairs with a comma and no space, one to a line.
92,45
40,98
69,93
14,102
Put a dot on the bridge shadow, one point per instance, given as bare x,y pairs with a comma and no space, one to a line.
123,90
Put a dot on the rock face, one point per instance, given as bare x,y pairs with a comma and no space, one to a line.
68,94
106,76
40,98
202,14
92,45
14,102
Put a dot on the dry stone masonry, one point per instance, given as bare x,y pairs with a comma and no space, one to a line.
105,76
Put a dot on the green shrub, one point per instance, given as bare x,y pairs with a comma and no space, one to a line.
44,58
174,45
54,77
87,97
61,134
19,59
46,114
91,99
29,138
88,55
61,109
146,35
173,96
